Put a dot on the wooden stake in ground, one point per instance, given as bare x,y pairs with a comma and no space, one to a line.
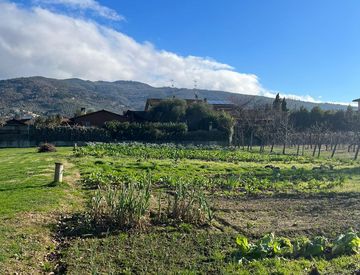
59,170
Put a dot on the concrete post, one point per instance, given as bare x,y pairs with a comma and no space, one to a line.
59,170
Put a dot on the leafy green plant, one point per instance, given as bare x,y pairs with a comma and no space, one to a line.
304,247
346,244
271,246
243,245
172,151
267,246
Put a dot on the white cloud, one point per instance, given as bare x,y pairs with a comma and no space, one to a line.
91,5
306,98
40,42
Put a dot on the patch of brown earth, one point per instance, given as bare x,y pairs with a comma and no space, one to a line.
294,215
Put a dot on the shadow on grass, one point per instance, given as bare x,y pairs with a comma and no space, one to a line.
299,196
47,185
79,225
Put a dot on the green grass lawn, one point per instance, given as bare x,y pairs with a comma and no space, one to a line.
30,205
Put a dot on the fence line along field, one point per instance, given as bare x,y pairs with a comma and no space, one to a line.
158,209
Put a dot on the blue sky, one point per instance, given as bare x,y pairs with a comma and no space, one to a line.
294,47
303,47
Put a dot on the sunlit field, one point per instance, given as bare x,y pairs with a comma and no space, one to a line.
144,208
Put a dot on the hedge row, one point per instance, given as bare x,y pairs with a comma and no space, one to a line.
125,132
66,133
146,131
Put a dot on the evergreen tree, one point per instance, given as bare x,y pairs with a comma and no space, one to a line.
277,103
284,105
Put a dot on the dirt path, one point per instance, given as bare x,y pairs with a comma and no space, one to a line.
327,214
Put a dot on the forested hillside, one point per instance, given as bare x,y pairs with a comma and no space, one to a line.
52,96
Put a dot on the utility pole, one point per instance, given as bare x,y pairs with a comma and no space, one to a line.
195,88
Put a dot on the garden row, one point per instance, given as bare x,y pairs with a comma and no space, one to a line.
178,152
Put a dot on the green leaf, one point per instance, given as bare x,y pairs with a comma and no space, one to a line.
355,245
314,250
243,244
348,243
283,246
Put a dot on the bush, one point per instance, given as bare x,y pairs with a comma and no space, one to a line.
46,147
146,131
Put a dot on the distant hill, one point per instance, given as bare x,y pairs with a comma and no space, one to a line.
52,96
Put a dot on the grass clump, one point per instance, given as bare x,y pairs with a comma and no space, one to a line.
124,207
186,203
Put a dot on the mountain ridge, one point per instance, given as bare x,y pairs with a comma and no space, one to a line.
49,96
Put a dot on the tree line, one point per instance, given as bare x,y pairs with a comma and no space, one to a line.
317,130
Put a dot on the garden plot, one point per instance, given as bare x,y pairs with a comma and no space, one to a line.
195,202
292,215
125,209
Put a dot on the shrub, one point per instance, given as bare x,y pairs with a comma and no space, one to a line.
46,147
146,131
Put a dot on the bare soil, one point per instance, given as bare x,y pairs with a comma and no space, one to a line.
328,214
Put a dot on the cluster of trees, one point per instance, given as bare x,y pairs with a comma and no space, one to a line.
280,104
303,119
315,129
197,116
171,120
340,120
174,119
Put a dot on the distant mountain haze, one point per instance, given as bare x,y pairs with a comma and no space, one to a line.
47,96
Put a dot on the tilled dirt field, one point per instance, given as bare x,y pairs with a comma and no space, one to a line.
328,214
